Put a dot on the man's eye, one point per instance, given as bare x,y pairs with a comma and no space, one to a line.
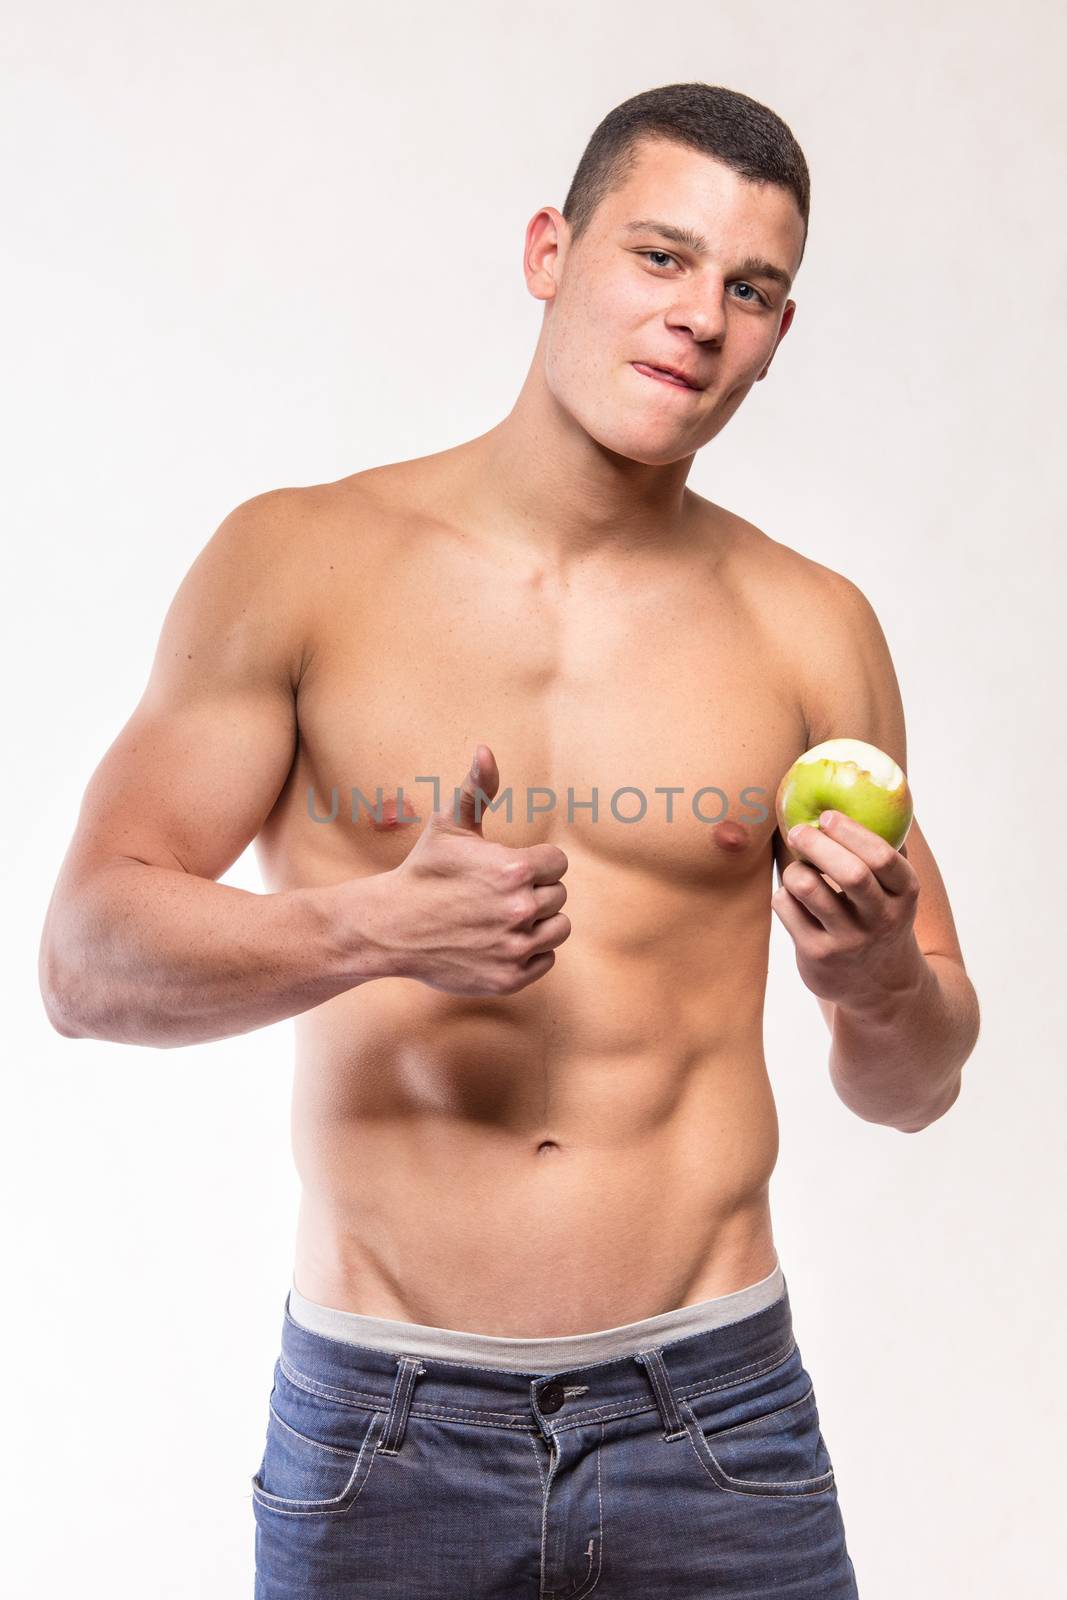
752,295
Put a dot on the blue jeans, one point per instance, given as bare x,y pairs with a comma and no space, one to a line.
688,1467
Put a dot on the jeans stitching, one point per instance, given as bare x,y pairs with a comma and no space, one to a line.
613,1413
772,1487
764,1417
402,1408
360,1399
334,1449
280,1504
544,1516
754,1369
590,1586
587,1584
537,1459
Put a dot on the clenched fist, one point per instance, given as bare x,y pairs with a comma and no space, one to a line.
471,917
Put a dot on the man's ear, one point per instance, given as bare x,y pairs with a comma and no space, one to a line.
787,321
547,237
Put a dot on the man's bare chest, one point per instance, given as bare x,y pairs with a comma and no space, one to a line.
639,714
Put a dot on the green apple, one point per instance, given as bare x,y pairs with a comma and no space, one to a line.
850,776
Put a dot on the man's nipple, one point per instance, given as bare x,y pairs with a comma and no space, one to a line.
730,836
389,814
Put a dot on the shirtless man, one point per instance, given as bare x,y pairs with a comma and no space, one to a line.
534,1263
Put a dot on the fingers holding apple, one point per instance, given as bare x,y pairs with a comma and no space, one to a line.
849,901
860,784
850,776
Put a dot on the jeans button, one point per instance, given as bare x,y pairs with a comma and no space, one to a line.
551,1397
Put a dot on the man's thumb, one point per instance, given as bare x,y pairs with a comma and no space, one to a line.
479,785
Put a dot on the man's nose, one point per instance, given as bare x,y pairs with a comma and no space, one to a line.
703,313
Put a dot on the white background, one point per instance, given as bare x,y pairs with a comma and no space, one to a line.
247,246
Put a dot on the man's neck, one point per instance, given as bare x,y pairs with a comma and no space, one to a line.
539,480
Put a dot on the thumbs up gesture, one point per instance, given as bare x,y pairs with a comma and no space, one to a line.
469,916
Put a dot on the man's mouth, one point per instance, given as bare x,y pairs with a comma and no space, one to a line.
664,377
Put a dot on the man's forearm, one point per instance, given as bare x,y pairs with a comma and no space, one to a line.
900,1063
144,954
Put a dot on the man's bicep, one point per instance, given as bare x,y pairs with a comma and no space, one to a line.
851,684
197,768
190,784
855,694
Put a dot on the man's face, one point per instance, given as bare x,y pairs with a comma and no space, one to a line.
623,295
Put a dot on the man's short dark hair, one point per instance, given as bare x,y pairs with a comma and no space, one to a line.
733,128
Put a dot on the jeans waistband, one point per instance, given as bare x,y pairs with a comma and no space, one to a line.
403,1382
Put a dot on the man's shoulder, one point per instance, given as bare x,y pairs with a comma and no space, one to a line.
313,506
777,572
376,506
294,524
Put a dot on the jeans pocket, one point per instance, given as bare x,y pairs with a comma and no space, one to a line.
319,1467
781,1452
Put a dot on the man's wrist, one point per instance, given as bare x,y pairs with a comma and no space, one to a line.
355,927
894,990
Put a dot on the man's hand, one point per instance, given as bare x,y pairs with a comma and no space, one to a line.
854,937
468,916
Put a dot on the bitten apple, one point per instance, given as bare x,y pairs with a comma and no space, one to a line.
850,776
